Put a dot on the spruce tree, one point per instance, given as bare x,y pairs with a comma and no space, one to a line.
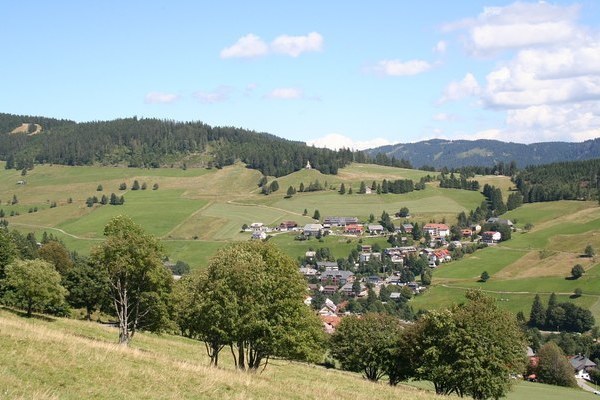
537,316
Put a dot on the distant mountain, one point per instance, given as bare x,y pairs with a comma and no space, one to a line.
458,153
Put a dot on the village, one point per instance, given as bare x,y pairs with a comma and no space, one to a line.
372,277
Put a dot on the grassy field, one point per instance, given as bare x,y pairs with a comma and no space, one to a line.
198,210
54,358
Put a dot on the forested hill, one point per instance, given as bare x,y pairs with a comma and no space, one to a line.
459,153
154,143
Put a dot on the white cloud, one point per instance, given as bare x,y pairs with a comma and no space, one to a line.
296,45
160,98
466,87
247,46
251,46
217,95
440,47
444,117
401,68
285,93
518,25
336,141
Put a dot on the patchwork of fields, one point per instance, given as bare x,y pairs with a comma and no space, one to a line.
196,211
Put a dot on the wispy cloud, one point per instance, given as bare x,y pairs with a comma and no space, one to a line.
251,46
288,93
160,98
401,68
219,94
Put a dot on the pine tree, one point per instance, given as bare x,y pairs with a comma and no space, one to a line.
537,316
342,189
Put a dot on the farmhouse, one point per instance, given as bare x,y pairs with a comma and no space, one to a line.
437,230
327,265
375,229
340,221
407,228
259,235
288,225
582,366
491,237
354,229
496,220
312,229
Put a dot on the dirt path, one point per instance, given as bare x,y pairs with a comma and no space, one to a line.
166,235
55,229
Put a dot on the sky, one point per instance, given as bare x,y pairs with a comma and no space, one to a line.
331,73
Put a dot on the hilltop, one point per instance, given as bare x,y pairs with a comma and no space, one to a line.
440,153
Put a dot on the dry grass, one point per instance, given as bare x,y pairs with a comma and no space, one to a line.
537,264
65,359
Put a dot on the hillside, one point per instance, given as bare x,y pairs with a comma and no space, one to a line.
440,153
196,211
56,358
50,358
154,143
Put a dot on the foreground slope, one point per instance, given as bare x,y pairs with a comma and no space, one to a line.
49,358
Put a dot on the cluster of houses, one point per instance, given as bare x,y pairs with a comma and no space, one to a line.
352,227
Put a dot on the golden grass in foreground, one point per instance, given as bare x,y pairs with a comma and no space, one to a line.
66,359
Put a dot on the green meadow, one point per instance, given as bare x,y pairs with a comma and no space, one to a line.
197,211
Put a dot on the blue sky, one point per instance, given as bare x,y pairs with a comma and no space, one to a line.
332,73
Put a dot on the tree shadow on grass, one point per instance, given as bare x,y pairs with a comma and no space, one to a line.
23,314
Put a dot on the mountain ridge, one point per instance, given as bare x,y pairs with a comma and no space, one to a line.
439,153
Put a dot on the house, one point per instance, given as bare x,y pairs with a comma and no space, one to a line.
355,229
259,235
348,290
258,226
310,255
496,220
466,232
312,229
308,271
327,265
366,257
337,277
340,221
437,230
582,366
288,225
330,322
491,237
366,248
407,228
329,289
375,229
313,287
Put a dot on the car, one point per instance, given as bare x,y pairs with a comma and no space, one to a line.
597,392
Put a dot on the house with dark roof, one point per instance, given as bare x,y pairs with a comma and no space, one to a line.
582,366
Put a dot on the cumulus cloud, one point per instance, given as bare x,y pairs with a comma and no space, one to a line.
251,46
458,90
548,85
288,93
518,25
336,141
247,46
296,45
401,68
218,95
160,98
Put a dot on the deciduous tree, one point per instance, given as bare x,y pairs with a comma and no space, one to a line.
139,282
33,285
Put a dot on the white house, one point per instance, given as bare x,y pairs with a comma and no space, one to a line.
313,229
437,230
